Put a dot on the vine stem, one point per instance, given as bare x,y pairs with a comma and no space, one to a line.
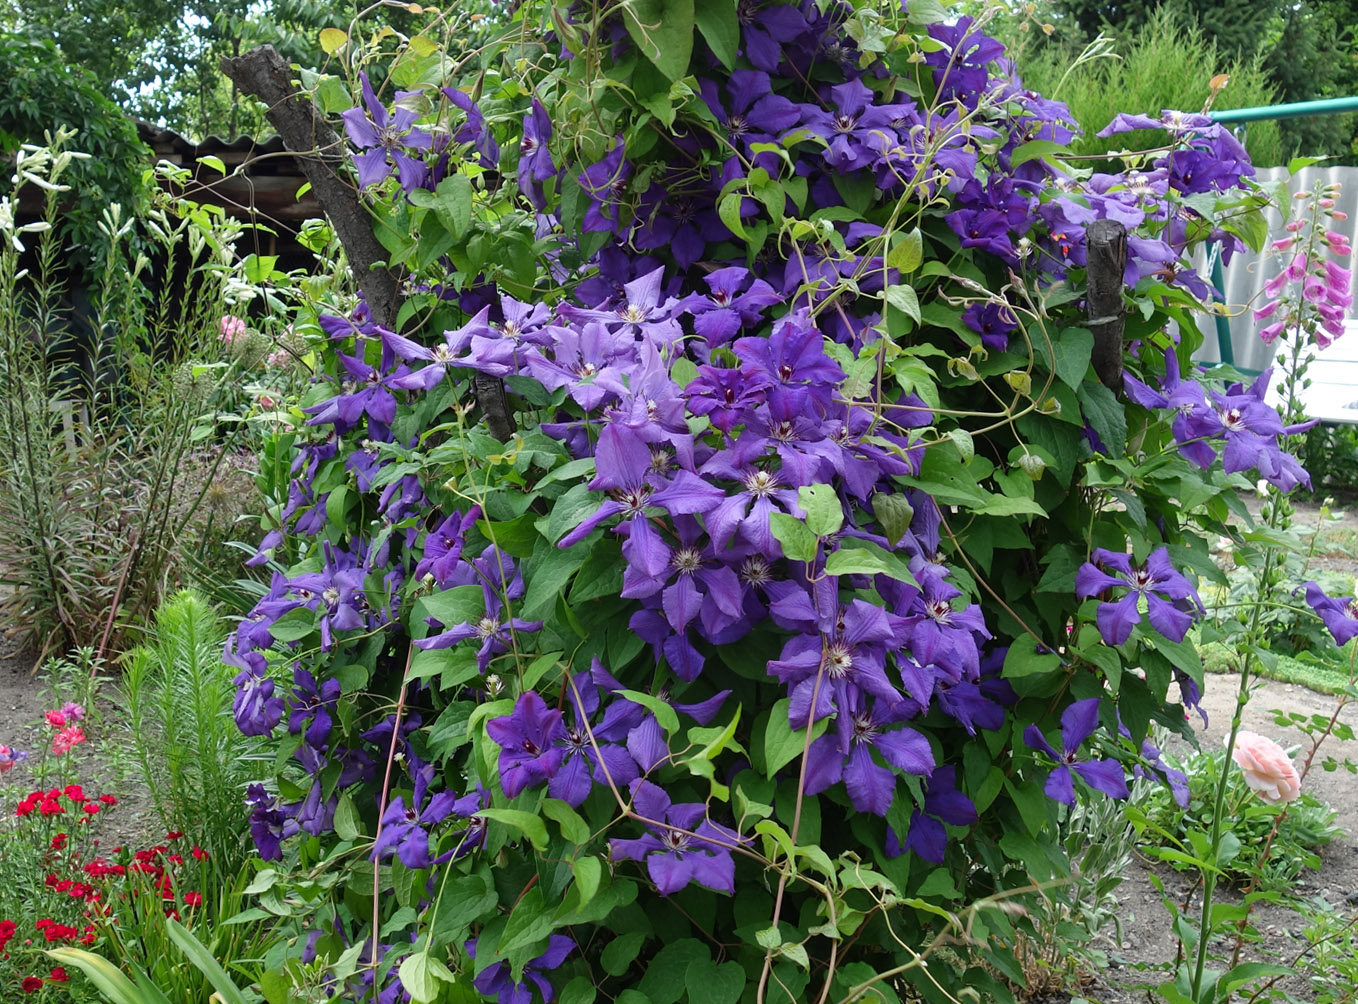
382,803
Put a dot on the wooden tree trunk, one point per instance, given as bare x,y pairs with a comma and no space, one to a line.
262,72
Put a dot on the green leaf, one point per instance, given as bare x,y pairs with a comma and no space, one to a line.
855,562
527,823
1106,415
664,712
619,953
729,211
904,299
332,40
708,983
1073,348
799,543
716,20
573,826
293,625
530,922
106,977
588,872
907,252
204,962
459,605
420,975
1034,149
347,824
664,982
551,569
1023,659
894,514
464,901
966,446
663,31
926,12
578,991
781,744
824,511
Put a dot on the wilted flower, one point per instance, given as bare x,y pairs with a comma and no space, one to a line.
1267,769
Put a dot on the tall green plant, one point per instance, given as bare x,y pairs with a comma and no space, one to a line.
186,752
95,497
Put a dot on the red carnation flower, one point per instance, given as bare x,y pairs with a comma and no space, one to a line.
32,984
58,975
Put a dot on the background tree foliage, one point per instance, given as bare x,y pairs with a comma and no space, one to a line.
162,63
1307,48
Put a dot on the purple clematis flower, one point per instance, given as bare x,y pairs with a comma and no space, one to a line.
1339,615
632,723
500,582
529,743
498,979
606,183
387,139
405,829
257,709
683,846
624,465
1251,428
846,755
943,803
1167,594
270,825
535,158
1078,723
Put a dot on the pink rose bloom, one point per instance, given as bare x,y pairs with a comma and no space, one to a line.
230,326
1267,768
55,719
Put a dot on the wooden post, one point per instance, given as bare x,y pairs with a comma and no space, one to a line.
1106,255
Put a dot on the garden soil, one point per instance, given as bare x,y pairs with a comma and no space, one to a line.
1147,940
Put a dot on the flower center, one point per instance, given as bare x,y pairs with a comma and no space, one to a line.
487,626
838,660
755,570
864,729
674,840
632,500
940,610
687,560
761,484
1232,419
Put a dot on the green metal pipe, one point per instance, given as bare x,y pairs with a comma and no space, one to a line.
1297,109
1224,346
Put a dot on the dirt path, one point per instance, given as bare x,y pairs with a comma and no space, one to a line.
1147,937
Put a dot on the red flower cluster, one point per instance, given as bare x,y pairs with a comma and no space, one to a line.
48,803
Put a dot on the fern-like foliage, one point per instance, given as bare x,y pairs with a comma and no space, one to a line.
181,740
